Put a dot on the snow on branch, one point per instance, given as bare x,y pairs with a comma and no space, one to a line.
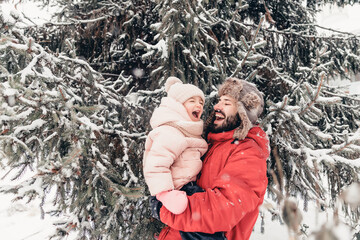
250,48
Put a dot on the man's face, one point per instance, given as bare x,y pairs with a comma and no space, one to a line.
226,116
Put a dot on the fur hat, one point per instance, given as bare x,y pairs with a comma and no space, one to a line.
181,92
250,103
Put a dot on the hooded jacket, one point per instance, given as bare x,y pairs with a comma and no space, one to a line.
234,179
173,148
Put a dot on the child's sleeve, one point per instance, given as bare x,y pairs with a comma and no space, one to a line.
167,145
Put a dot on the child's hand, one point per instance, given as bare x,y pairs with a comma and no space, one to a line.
175,201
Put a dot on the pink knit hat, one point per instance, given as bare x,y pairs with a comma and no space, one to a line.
182,92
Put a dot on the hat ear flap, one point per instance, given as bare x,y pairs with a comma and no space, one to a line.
251,100
245,125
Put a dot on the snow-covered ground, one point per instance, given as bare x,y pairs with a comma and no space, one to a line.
22,221
313,219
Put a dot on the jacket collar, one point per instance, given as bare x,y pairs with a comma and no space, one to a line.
255,133
220,137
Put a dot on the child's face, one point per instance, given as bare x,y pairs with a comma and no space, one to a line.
194,107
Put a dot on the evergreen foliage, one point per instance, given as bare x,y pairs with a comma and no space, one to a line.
76,108
64,121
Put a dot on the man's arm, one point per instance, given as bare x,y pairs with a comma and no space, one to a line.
237,190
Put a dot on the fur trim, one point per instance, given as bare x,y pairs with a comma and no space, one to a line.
245,125
251,100
231,87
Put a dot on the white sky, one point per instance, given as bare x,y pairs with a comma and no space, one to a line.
345,19
29,8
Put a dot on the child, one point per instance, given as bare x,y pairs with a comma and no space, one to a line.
174,147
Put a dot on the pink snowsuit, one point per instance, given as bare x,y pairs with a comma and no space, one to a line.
173,148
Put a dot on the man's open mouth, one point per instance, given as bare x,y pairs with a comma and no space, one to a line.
219,116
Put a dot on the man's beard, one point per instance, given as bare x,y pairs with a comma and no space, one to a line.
229,123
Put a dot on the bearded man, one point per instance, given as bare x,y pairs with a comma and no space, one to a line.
233,178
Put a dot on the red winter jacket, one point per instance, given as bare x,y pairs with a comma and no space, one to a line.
234,179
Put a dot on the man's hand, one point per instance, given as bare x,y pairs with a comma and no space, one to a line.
191,188
155,206
175,201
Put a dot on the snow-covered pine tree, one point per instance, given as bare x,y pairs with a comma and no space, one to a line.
80,138
155,36
105,32
313,127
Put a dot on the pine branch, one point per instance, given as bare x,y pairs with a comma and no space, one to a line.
77,21
21,143
306,36
330,29
279,167
240,66
316,96
354,139
4,131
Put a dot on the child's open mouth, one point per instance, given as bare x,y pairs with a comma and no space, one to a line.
196,114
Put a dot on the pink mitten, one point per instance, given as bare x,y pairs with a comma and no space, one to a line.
175,201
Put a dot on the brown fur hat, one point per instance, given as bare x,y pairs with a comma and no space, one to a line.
250,103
